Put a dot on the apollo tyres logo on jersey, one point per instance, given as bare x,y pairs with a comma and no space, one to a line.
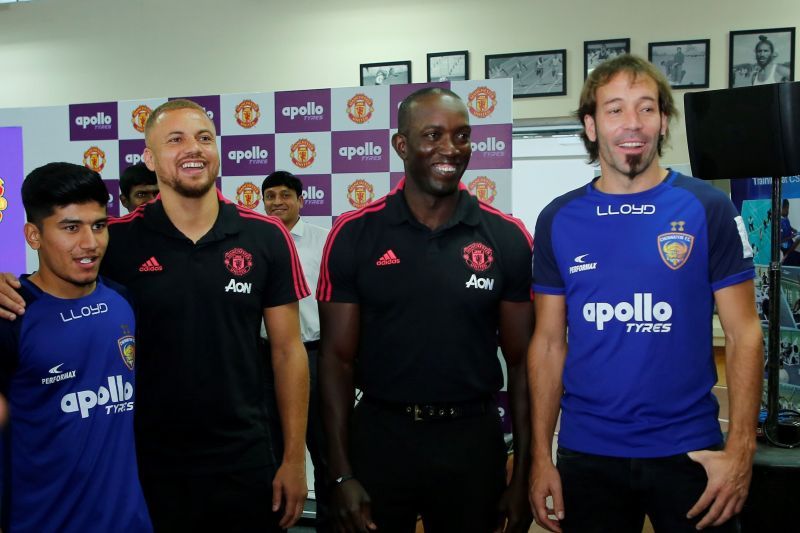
675,246
491,146
116,398
642,315
248,155
139,117
247,114
360,151
481,102
94,159
93,122
360,108
299,111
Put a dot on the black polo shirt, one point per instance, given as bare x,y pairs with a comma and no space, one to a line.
200,376
429,300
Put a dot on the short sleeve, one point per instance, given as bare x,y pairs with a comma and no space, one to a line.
546,276
286,282
337,276
730,255
517,287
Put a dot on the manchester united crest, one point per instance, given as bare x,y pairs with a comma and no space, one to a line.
248,195
359,108
139,117
676,245
481,102
303,153
478,256
127,348
483,188
238,261
360,193
94,159
3,201
247,113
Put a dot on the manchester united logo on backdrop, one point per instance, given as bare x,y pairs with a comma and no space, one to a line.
303,153
478,256
675,246
247,113
3,201
360,193
94,159
481,102
239,261
248,195
483,188
359,108
139,117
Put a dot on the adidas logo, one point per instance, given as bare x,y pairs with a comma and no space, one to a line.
388,259
151,265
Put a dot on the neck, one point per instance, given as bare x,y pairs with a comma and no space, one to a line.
59,288
193,217
431,211
613,182
292,224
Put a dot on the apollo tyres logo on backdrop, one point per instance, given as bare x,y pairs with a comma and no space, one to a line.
299,111
397,93
130,153
93,122
211,104
360,151
491,147
316,195
248,155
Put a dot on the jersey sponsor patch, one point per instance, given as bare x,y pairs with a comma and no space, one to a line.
582,264
474,282
747,250
238,261
127,349
389,258
151,265
676,245
56,375
478,256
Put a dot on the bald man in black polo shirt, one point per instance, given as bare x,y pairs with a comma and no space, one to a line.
415,292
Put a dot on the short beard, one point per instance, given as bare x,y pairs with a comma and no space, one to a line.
193,192
634,162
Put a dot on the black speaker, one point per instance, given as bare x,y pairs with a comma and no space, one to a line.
744,132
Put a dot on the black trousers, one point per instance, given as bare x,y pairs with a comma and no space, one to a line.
612,494
452,472
231,502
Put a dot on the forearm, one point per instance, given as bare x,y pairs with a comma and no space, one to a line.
744,372
519,403
337,393
290,367
545,368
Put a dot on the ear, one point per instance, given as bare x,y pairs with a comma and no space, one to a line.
399,144
32,235
149,159
590,127
664,124
124,201
301,200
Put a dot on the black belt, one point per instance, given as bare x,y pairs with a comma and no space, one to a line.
436,410
311,345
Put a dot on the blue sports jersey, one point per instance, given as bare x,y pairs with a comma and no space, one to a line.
638,272
67,371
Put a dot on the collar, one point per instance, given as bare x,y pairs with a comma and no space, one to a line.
467,209
227,223
299,228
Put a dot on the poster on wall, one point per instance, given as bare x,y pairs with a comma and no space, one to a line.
12,215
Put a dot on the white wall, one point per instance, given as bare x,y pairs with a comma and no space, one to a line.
67,51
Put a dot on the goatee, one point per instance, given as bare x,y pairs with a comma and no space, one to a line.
634,162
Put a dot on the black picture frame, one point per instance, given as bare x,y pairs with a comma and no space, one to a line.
448,66
743,65
683,63
592,55
389,72
541,73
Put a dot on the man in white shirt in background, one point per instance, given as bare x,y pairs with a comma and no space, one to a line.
282,193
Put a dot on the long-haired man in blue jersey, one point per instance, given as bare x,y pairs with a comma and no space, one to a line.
631,266
67,369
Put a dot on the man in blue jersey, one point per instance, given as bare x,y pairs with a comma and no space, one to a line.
66,367
631,266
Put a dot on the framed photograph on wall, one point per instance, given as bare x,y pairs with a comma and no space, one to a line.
758,57
390,73
448,66
534,73
684,63
595,52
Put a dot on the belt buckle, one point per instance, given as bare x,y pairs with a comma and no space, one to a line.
417,413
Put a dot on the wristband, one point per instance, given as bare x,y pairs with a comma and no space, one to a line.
342,479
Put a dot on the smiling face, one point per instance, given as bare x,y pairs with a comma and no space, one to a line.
283,202
182,150
435,146
71,243
627,126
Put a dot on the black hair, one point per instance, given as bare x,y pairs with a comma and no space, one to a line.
58,185
765,40
404,112
281,177
137,174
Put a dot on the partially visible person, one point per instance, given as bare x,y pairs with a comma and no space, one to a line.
67,370
766,69
137,186
627,270
789,237
282,193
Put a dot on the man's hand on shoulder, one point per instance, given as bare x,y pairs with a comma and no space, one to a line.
11,303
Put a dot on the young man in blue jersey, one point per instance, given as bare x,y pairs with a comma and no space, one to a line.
632,265
67,369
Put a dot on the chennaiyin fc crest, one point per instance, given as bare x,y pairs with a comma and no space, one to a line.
675,246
